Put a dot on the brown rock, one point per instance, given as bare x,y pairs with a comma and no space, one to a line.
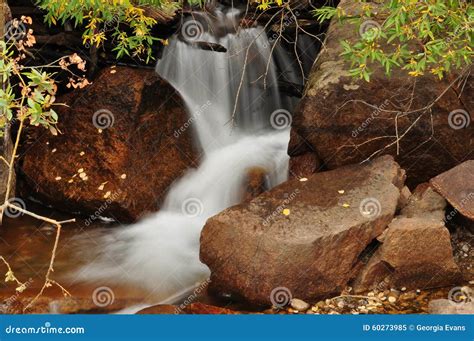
346,120
124,170
165,309
201,308
457,186
256,183
301,239
303,165
416,253
424,201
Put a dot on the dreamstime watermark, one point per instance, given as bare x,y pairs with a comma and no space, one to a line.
103,119
467,199
46,329
288,19
192,207
370,208
281,119
460,295
369,120
280,208
12,212
459,119
103,297
370,29
192,297
280,297
191,119
15,30
12,299
98,213
114,21
192,30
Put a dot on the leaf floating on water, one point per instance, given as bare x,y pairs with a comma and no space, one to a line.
286,212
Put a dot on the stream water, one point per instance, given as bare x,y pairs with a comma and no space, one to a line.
240,121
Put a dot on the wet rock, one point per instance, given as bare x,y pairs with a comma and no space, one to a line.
343,120
303,166
299,305
165,309
415,253
457,186
256,183
123,143
447,307
302,238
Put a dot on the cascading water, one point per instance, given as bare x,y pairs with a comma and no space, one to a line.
161,253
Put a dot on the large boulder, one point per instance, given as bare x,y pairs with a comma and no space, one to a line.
302,238
422,121
122,144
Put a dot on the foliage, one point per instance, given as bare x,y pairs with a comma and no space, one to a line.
29,92
128,22
416,35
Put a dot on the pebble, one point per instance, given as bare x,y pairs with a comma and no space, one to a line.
299,305
58,178
465,248
392,299
123,176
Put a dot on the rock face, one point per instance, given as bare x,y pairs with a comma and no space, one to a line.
415,253
302,238
121,147
457,186
342,120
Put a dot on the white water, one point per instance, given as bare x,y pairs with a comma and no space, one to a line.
161,253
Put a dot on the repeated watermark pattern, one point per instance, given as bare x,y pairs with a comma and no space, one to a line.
459,119
103,296
15,30
192,30
99,212
11,212
193,296
280,297
103,119
280,208
370,208
370,29
281,119
460,295
192,207
178,132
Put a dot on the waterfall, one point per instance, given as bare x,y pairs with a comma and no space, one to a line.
161,253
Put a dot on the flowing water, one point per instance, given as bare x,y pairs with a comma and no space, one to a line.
161,253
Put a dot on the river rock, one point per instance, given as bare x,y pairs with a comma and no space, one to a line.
457,186
425,202
342,120
415,253
302,238
122,146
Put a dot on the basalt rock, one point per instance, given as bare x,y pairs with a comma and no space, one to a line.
423,122
302,238
121,147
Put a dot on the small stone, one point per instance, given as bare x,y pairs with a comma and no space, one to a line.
404,289
54,150
123,176
58,178
465,248
80,170
341,191
81,153
71,181
100,131
299,305
392,299
303,179
83,175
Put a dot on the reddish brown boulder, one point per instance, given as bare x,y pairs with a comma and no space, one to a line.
425,202
343,120
121,147
302,238
457,186
415,253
